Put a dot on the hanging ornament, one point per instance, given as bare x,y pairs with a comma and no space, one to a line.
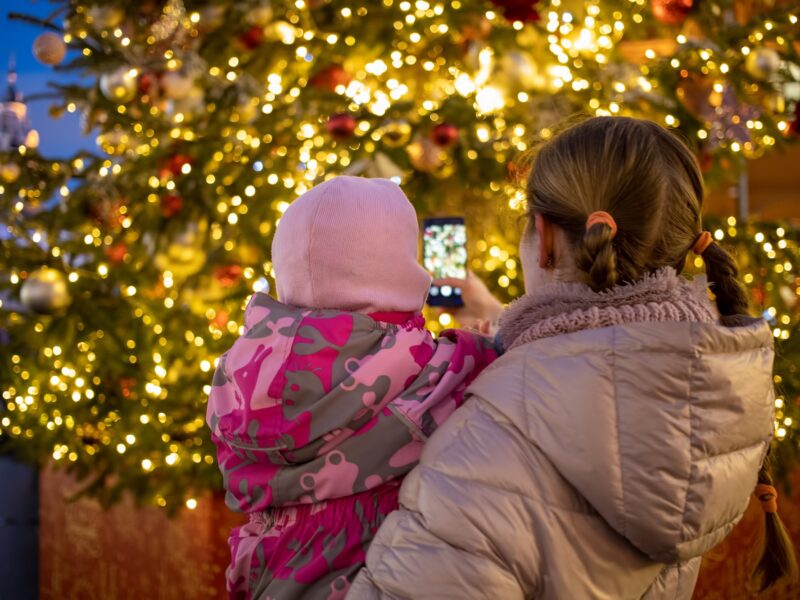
380,167
177,85
444,135
107,213
259,15
425,156
185,256
116,252
9,172
228,275
119,85
331,77
341,126
252,38
794,126
49,48
106,17
671,12
45,291
518,10
694,93
174,165
395,133
762,63
149,85
171,205
788,295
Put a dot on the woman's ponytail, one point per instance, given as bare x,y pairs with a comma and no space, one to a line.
597,257
777,562
723,275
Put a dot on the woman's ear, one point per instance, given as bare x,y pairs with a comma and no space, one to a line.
545,234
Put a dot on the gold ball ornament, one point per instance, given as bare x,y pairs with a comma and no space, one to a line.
49,48
185,255
395,133
45,292
10,172
427,157
106,17
119,85
762,63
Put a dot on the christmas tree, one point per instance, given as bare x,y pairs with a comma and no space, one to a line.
126,271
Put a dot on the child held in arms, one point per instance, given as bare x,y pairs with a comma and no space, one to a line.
323,404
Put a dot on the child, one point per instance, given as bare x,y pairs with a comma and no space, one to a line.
324,403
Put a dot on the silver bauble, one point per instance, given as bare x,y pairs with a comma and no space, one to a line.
45,291
119,85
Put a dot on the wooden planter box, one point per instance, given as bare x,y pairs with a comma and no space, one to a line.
130,553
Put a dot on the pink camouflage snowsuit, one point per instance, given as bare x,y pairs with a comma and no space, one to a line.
317,415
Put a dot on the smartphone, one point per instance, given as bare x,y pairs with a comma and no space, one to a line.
444,254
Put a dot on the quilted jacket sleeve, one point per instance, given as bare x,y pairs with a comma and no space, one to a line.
457,534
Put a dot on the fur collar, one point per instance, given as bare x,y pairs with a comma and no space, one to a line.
561,308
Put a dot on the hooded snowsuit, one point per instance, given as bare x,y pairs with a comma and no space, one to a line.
317,415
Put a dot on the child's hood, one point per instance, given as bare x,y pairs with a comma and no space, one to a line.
314,404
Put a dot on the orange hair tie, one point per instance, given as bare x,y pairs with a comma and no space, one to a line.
768,496
604,218
703,241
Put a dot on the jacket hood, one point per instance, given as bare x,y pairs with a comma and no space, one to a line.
661,426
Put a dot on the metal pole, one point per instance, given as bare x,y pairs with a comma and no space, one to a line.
743,192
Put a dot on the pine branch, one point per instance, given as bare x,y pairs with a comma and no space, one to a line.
31,20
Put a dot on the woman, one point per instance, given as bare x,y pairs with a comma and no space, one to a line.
621,435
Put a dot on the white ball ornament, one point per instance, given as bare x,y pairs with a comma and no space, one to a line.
762,63
119,85
49,48
177,85
260,15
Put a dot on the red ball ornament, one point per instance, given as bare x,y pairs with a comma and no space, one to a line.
671,12
794,126
171,205
518,10
330,77
150,84
174,165
341,126
116,252
444,135
221,318
228,275
252,38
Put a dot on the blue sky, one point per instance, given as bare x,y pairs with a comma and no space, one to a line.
58,137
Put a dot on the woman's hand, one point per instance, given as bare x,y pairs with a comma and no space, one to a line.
480,306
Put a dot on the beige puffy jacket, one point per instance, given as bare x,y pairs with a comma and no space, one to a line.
597,464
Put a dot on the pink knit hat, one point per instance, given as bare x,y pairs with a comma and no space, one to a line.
350,243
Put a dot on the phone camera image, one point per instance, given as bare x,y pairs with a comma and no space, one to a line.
444,249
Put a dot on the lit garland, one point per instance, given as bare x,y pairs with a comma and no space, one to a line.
214,116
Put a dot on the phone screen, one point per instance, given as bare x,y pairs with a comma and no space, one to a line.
444,251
